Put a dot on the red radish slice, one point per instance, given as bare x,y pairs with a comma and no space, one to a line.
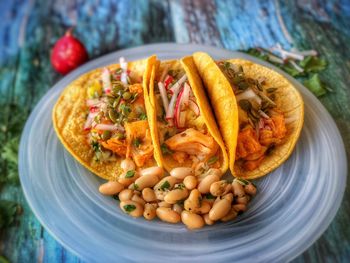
89,120
178,108
186,94
168,80
92,102
176,87
107,127
194,107
124,67
164,96
106,80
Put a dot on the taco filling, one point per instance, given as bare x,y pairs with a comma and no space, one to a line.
116,123
183,134
262,124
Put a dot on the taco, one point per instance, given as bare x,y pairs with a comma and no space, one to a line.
101,118
183,127
260,113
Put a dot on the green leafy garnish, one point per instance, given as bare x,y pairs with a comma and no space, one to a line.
137,142
143,116
129,208
8,210
165,149
315,85
165,185
313,64
242,181
180,186
95,146
130,174
213,160
209,196
135,186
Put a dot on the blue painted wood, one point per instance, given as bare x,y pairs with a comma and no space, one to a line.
29,28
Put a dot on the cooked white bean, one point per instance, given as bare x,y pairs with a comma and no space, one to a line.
191,220
167,183
207,220
155,170
168,215
220,188
204,185
138,199
148,180
232,214
242,200
148,195
125,178
250,189
193,202
177,208
205,208
127,165
132,208
219,209
176,195
160,194
126,194
240,207
149,212
237,189
164,204
111,188
181,172
190,182
215,171
228,197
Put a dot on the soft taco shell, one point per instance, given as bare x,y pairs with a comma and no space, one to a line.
187,64
69,116
288,100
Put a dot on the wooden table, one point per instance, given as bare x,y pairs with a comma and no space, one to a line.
29,28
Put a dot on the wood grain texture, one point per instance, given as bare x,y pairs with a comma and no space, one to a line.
29,28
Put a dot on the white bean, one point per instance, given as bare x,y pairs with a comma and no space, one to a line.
177,208
220,188
167,183
190,182
204,185
155,170
237,189
219,209
176,195
148,180
193,202
149,212
127,165
181,172
111,188
132,208
207,220
148,195
138,199
126,194
232,214
166,214
191,220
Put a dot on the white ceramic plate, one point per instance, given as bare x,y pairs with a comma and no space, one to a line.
293,207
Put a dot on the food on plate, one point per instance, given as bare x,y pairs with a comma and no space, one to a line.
101,119
183,126
259,112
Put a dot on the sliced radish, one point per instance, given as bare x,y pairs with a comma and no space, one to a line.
106,80
164,72
89,120
164,96
176,87
124,67
168,80
186,94
249,94
107,127
194,107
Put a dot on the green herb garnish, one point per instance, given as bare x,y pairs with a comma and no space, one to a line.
242,181
165,185
315,85
136,142
130,174
213,160
209,196
129,208
143,116
135,186
165,149
95,146
180,186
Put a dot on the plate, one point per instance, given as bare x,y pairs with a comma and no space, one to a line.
294,205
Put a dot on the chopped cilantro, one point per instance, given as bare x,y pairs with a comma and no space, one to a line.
130,174
313,64
165,149
129,208
136,186
137,142
165,185
95,146
143,116
180,186
213,160
242,181
209,196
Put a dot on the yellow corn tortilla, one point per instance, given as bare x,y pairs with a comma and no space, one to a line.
288,100
187,64
69,116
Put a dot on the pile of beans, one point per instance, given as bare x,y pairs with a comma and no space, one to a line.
180,196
